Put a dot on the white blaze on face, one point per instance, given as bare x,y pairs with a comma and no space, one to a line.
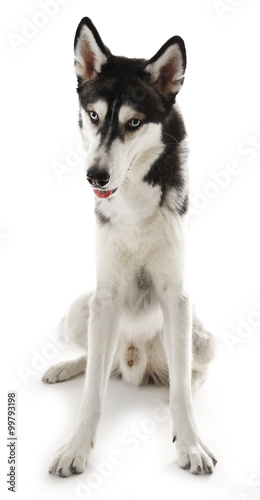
89,131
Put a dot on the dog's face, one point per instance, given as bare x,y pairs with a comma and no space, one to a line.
124,106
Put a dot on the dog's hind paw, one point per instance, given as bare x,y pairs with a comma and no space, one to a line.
65,370
57,373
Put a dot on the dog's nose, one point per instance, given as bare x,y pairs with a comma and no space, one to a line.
98,177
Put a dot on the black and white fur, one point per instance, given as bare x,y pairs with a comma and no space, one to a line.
139,323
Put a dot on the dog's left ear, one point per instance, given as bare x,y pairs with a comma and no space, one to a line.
90,51
168,66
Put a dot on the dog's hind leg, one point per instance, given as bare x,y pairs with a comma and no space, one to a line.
203,351
74,326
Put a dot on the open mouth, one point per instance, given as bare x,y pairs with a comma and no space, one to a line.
101,193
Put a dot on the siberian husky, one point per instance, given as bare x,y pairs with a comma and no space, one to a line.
139,323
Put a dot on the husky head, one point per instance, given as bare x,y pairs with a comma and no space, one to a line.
126,110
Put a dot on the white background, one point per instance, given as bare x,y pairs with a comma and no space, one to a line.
47,246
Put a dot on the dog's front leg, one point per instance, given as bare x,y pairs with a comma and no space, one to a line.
192,453
103,332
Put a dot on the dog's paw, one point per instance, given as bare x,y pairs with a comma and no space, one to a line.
195,458
57,373
69,459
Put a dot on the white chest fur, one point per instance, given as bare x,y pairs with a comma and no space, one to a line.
140,235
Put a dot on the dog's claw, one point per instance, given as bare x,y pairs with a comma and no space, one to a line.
74,469
186,466
197,472
174,439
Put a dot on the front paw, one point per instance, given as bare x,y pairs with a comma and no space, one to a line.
196,458
70,459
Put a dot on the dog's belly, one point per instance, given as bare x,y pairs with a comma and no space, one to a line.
142,325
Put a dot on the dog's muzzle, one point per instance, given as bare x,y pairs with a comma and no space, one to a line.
99,178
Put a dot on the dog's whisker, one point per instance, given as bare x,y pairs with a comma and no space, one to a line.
171,136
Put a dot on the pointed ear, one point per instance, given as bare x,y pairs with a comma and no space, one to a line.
168,66
90,52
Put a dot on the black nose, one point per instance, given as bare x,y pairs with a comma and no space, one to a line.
98,177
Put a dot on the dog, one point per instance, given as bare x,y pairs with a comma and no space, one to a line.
139,323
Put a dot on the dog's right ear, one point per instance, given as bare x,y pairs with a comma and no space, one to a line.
90,52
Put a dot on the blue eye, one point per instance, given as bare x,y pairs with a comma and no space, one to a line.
94,117
134,123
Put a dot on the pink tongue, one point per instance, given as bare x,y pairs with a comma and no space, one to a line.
102,194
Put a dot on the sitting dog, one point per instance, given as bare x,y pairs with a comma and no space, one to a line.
139,322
